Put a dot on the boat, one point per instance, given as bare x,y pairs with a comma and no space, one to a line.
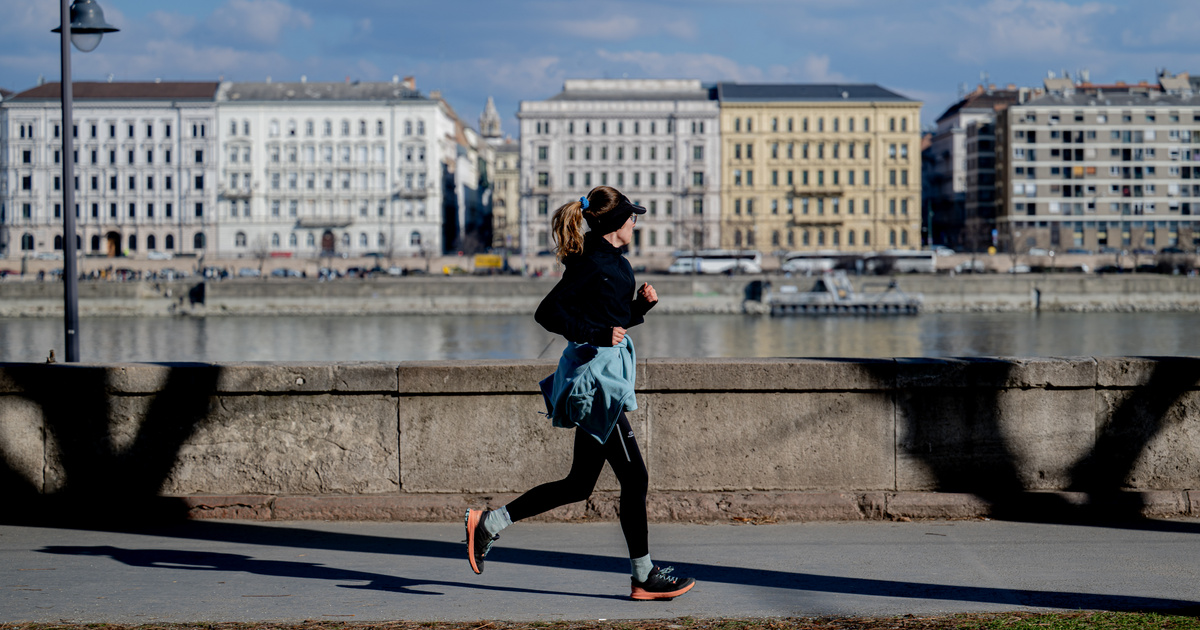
832,293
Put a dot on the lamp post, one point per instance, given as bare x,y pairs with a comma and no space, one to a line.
82,25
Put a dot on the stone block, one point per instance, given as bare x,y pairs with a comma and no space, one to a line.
22,446
839,441
290,445
495,443
1148,439
252,507
991,441
472,377
141,378
765,375
1169,372
365,377
935,505
1193,497
996,372
261,378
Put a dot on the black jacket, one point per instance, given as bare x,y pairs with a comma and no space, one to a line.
595,294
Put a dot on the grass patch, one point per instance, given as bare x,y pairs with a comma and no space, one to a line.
997,621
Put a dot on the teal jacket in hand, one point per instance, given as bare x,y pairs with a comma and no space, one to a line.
591,387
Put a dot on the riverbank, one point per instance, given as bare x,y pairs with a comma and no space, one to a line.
437,295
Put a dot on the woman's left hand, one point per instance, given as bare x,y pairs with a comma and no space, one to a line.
648,294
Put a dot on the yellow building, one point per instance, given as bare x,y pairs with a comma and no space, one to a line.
819,167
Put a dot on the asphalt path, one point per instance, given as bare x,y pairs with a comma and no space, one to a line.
211,571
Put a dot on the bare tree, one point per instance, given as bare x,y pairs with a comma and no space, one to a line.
261,252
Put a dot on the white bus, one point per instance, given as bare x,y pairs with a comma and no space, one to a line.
809,263
903,261
711,261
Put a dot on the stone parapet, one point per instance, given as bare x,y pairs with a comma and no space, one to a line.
755,439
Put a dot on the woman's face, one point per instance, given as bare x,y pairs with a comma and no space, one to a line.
625,233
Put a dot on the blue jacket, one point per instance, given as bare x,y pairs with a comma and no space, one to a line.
591,387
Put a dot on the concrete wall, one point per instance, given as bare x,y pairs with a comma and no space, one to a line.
755,438
507,294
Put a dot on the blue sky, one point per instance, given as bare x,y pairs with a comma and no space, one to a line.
523,49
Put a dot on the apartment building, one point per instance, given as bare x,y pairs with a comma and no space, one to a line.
145,169
1100,167
655,140
807,167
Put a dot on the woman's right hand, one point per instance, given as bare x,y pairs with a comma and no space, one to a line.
618,334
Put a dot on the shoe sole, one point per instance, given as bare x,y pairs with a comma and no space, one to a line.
472,523
644,595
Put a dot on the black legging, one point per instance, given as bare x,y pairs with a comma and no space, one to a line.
622,453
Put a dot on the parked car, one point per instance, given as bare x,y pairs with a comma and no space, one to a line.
284,273
1038,251
1109,269
248,272
1020,269
1172,250
395,271
943,251
49,256
1142,251
1079,251
970,266
160,256
1109,250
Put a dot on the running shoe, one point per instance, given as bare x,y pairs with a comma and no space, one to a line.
478,540
661,585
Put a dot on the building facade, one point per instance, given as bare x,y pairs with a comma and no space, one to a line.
657,141
145,169
811,167
312,169
961,156
506,184
1106,168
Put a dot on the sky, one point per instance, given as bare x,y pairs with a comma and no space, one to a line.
516,50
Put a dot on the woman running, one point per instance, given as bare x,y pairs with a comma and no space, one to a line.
592,306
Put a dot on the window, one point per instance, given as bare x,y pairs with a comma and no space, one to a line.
197,240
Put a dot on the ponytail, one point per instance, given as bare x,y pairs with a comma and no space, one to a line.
567,229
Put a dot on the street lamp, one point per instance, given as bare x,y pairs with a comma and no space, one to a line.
83,25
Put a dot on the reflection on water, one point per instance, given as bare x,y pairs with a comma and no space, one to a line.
412,337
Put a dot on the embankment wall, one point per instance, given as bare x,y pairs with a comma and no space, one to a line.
507,294
757,439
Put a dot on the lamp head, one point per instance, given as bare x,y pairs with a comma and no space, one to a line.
87,25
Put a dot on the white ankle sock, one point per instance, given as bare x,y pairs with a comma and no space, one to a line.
496,520
641,567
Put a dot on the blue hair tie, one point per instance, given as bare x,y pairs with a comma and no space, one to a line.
584,201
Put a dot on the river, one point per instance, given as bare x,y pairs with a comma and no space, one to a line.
417,338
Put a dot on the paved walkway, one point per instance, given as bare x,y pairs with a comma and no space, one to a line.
247,571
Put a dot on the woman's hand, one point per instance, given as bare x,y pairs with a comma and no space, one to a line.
648,294
618,334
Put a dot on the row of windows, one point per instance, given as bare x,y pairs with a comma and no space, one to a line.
651,152
409,208
198,241
835,124
619,127
835,150
310,240
1148,116
291,128
1140,154
636,180
94,130
1124,136
818,205
27,156
94,183
365,181
362,154
113,211
807,238
1125,172
896,177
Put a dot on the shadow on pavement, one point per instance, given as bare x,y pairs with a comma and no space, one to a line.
311,539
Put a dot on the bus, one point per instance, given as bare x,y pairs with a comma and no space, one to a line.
902,261
809,263
711,261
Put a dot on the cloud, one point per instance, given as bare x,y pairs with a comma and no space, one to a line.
711,67
261,21
1026,28
617,27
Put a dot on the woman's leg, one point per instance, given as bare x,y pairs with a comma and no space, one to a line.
586,464
622,452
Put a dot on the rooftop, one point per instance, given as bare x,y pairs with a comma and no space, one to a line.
982,99
766,92
1114,99
632,89
313,91
149,90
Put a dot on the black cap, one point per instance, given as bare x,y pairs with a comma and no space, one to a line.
615,218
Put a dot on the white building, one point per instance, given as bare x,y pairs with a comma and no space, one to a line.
331,168
145,167
637,135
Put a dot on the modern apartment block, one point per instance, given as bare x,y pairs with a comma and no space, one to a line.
145,169
960,197
809,167
1101,167
655,140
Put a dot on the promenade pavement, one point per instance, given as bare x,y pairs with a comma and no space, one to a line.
343,571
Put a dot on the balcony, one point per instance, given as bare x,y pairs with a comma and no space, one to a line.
817,191
226,192
816,221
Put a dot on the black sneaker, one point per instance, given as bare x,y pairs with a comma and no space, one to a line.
478,540
660,585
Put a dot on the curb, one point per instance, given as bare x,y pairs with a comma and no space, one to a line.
699,507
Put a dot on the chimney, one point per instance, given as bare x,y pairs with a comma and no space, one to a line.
410,83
